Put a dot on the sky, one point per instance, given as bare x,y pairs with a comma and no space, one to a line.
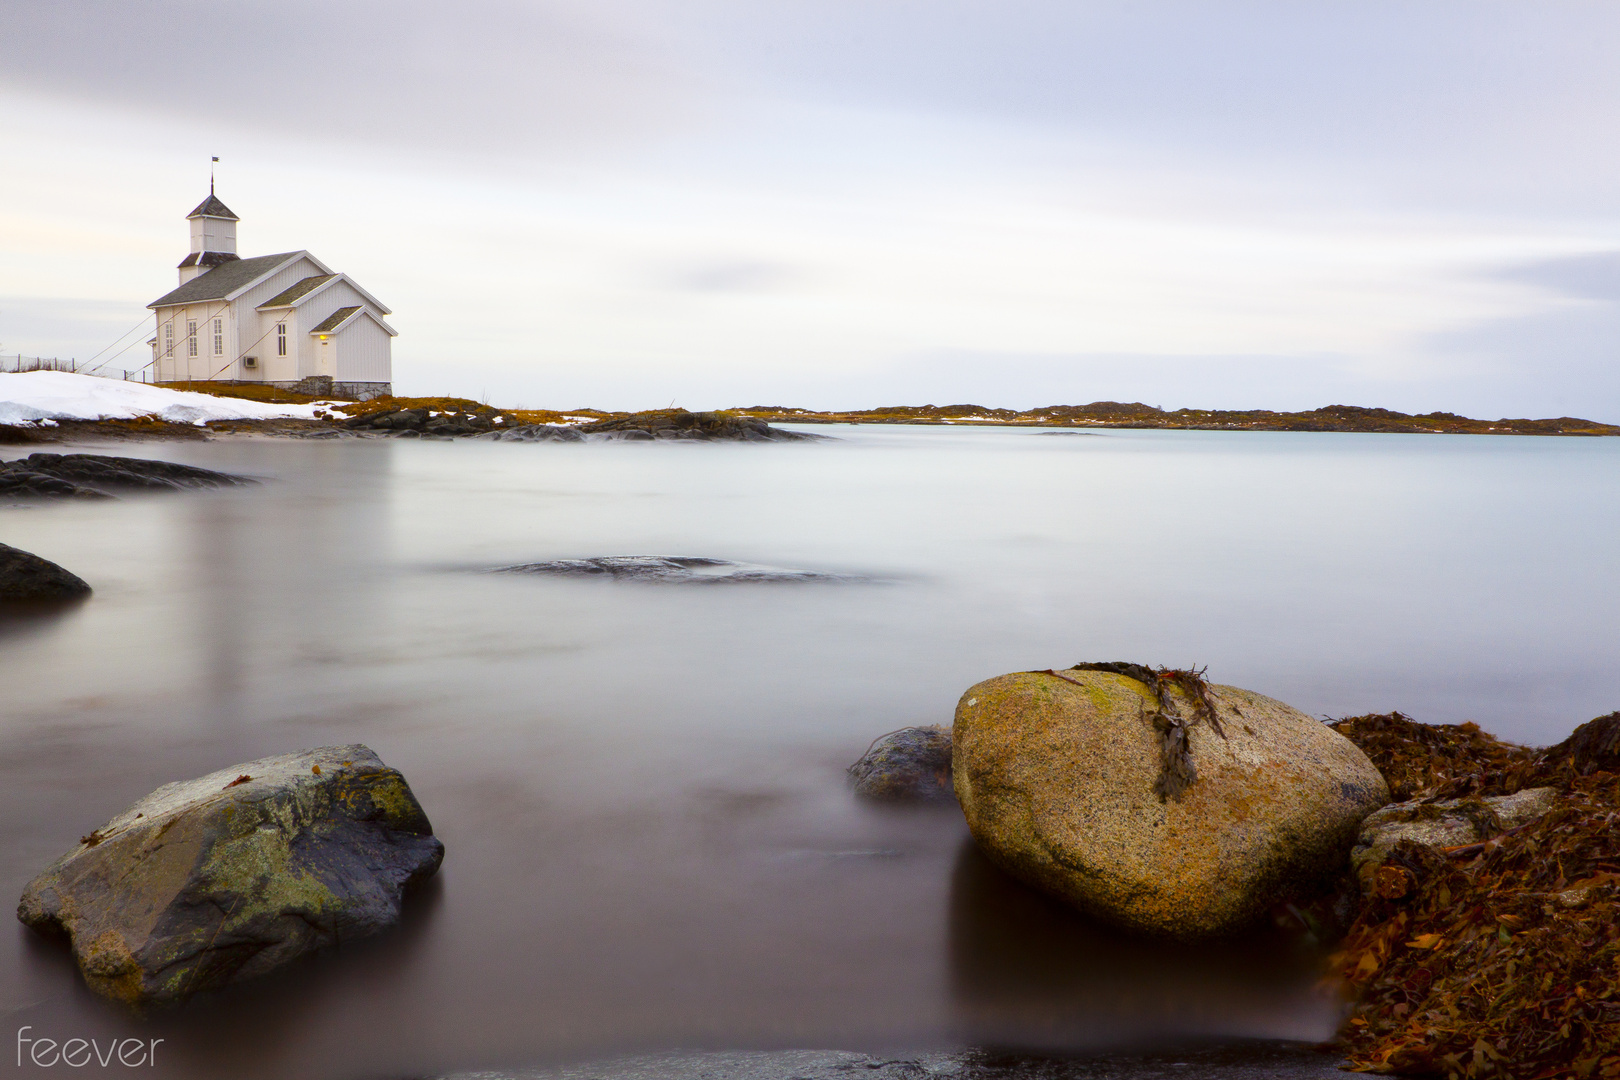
854,203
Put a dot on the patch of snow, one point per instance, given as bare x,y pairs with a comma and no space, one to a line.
43,396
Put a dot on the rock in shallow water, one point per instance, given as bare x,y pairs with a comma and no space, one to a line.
909,765
223,878
1057,776
27,578
669,569
93,475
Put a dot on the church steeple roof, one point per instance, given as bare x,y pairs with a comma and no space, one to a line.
212,207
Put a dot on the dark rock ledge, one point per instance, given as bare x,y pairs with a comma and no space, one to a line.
95,476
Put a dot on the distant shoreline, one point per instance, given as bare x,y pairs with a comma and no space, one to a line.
1116,414
344,419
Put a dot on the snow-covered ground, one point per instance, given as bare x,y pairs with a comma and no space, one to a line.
44,396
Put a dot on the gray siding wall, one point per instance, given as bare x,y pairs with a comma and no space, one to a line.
365,353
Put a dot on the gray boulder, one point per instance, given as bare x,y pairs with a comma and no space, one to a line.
1446,824
27,578
909,765
1154,800
211,881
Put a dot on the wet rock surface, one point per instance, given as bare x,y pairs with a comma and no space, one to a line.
212,881
97,475
1061,776
1238,1061
1448,823
909,765
26,578
669,569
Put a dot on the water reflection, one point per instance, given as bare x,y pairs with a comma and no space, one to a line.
1031,973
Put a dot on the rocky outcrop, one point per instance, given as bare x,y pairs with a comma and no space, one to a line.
1449,823
534,433
28,579
909,765
1156,801
424,421
678,424
669,569
210,881
95,475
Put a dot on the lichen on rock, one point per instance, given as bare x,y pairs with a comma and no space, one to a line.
1059,779
211,881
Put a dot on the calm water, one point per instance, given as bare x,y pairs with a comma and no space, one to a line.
640,786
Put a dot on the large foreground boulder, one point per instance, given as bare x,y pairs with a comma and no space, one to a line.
1154,800
211,881
27,578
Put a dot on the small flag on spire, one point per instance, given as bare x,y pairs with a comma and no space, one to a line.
211,178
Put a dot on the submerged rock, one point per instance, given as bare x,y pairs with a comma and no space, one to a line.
211,881
1134,804
669,569
27,578
93,475
1446,824
912,764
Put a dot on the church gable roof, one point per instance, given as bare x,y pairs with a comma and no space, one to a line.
212,207
289,297
343,316
335,320
220,282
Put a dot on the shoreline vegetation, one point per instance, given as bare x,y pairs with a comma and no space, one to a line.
1097,414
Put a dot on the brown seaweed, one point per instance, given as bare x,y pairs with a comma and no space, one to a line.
1176,769
1499,958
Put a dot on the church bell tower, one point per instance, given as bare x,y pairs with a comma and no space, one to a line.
213,237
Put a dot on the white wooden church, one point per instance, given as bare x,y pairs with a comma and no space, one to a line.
288,320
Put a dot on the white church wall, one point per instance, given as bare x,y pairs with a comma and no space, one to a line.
364,353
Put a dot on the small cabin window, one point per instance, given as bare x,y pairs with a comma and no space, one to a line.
168,338
191,337
219,337
281,339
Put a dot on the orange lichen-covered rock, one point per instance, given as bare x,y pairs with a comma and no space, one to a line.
1059,776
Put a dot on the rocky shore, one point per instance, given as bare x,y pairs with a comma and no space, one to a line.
1472,907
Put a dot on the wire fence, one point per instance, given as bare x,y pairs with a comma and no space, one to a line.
17,363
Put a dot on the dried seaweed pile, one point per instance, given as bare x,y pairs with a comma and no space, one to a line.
1422,760
1501,958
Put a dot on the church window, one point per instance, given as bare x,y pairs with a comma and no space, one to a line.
168,338
281,339
191,337
219,337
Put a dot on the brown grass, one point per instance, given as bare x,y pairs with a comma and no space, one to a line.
247,390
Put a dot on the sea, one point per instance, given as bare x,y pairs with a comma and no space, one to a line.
651,845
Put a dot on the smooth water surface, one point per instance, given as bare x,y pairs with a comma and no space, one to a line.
640,785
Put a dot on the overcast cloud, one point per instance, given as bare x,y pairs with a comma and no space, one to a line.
847,204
